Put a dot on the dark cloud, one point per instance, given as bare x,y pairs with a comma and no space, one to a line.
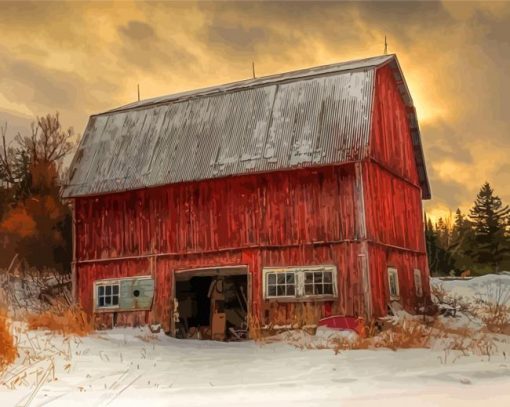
450,193
236,36
142,48
444,141
36,84
137,31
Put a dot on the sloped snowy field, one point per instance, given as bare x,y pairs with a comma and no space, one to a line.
128,367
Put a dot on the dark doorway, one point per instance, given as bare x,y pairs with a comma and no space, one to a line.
212,304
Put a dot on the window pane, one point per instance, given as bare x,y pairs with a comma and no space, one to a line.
318,289
108,290
100,290
308,278
328,277
115,300
281,278
271,291
290,278
101,302
393,284
328,289
280,290
308,289
291,290
317,277
115,289
271,278
107,301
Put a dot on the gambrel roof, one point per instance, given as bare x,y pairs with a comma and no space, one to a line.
312,117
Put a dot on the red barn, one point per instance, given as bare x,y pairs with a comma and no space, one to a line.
286,198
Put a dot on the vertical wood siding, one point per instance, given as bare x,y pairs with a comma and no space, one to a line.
390,142
298,218
266,210
343,255
381,258
393,204
394,214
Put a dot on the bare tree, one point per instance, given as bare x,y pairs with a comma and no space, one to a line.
49,142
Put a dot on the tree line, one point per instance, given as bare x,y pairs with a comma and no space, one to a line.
35,223
477,242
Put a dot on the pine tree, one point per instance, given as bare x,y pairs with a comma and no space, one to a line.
440,260
462,242
489,218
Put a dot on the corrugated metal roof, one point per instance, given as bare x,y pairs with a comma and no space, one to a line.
311,117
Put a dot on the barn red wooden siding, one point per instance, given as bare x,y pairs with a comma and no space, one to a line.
337,215
393,201
301,217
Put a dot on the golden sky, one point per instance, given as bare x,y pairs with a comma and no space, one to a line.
84,58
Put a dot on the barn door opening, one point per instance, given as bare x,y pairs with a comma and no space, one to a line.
211,303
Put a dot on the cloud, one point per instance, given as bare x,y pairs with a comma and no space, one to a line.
137,31
83,58
235,35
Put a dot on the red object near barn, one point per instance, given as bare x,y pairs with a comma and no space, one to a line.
272,201
343,323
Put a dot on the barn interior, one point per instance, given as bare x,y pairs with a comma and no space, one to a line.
212,304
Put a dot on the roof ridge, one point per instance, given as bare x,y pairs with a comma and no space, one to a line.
345,66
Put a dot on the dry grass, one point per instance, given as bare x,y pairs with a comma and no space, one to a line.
8,350
492,307
454,342
255,331
72,321
305,314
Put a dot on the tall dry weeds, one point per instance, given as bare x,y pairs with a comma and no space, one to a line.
71,321
8,350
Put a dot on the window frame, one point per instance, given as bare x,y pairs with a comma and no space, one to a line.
106,283
418,288
299,283
393,296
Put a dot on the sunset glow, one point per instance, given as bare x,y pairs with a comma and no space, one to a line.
84,58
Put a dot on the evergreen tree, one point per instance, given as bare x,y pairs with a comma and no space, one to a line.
440,260
462,242
489,219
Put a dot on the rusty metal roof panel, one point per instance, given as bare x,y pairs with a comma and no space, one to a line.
314,117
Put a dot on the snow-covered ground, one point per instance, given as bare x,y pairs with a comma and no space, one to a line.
127,367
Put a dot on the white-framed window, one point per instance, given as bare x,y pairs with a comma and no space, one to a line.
418,284
107,294
319,282
307,282
281,284
393,283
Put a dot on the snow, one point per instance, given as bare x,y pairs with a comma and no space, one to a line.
129,367
477,286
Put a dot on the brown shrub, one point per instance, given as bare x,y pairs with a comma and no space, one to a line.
8,351
72,321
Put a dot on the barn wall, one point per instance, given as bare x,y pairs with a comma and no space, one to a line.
393,201
390,141
394,214
343,255
380,258
258,210
282,219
